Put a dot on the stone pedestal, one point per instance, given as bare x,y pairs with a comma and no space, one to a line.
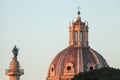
14,72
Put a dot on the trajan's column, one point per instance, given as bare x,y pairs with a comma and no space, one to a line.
14,72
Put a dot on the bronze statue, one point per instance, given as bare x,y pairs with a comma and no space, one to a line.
15,51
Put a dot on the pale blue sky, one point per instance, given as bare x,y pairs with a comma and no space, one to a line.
40,29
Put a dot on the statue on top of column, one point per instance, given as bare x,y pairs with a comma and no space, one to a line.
15,51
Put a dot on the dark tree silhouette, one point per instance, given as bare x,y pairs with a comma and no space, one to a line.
106,73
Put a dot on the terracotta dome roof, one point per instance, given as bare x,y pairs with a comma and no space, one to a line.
73,60
76,58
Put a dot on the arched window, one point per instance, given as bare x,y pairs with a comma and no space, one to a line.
90,68
69,68
52,69
70,34
81,36
76,36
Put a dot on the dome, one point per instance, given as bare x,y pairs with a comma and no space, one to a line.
73,60
77,57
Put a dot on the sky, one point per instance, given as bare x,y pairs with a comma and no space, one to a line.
40,29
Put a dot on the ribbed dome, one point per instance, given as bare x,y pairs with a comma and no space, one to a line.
76,58
73,60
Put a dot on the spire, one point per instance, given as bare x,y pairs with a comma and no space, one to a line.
78,18
78,10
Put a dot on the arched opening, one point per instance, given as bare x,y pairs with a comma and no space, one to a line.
81,36
70,34
52,69
90,68
76,36
68,68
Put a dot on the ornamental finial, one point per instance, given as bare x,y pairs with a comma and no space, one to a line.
78,10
